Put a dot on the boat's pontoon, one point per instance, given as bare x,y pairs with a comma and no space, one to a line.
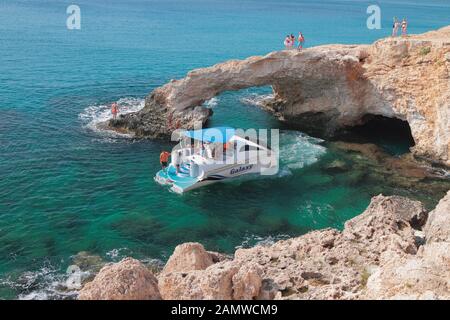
209,155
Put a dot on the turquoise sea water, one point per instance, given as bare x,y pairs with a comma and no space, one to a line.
66,187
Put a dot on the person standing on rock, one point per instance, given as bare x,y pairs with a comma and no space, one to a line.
287,42
301,41
114,110
404,27
395,27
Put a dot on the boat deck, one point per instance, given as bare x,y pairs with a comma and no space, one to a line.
180,182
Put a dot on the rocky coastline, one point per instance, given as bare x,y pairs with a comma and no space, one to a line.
330,87
394,250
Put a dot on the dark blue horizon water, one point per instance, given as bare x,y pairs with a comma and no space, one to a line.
66,188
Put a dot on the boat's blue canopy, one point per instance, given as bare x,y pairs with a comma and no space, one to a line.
212,135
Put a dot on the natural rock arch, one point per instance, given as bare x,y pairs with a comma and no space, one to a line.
330,86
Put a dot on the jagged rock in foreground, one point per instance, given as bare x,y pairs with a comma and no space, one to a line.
330,87
188,256
437,228
126,280
380,254
425,275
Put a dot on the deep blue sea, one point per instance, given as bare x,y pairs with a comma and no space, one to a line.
66,187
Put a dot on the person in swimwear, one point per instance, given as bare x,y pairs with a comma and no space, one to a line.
225,149
404,27
178,163
114,110
203,150
164,159
395,27
292,41
287,42
301,41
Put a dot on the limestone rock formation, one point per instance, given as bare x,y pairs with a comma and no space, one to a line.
224,280
329,87
127,280
247,282
187,257
213,283
380,254
438,224
422,276
425,275
325,264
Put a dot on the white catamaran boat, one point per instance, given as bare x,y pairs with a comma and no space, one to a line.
210,155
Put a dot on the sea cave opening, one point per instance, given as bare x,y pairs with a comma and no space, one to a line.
393,134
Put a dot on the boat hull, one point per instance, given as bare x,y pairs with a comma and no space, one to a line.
183,183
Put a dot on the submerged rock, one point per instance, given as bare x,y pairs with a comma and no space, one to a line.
369,150
370,162
127,280
88,262
337,166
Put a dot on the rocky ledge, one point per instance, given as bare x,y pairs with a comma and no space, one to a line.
330,87
393,250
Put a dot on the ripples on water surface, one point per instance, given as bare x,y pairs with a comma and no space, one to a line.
66,187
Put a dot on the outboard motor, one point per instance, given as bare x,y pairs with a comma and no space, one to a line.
194,169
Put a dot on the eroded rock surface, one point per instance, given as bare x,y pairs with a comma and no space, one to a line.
213,283
127,280
390,251
328,87
187,257
425,275
438,225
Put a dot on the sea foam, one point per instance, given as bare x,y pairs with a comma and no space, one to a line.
298,150
96,114
257,99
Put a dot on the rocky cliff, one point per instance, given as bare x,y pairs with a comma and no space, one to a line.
393,250
330,86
